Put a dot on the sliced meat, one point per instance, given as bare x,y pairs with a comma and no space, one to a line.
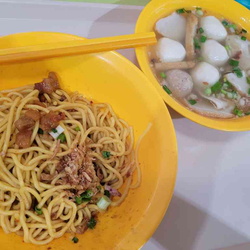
51,120
46,137
41,98
53,216
48,85
33,114
47,177
174,65
192,22
63,98
42,104
24,123
23,138
82,227
79,169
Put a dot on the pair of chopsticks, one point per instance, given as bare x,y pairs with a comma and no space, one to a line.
76,47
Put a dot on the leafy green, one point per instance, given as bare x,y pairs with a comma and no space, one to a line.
75,239
163,75
237,112
107,193
216,87
62,137
106,154
167,89
192,102
38,211
91,223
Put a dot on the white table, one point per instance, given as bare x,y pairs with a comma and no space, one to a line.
211,204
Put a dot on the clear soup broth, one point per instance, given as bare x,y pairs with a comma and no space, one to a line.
203,61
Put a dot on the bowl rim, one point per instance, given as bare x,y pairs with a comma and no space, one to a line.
150,9
160,184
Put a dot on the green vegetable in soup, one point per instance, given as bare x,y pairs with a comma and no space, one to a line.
192,102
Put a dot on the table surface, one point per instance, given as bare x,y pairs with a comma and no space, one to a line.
210,206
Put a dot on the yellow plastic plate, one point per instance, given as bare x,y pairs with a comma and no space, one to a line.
108,77
157,9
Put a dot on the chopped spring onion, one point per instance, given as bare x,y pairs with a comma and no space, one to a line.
227,84
55,133
107,193
232,30
237,112
237,72
234,63
99,188
225,23
104,202
201,30
106,154
196,43
224,91
203,39
77,129
248,79
199,11
78,200
91,223
163,75
216,87
200,59
230,95
233,25
192,102
243,38
38,211
75,239
181,11
87,194
248,92
235,95
62,137
167,89
243,31
208,91
228,48
198,8
40,131
84,197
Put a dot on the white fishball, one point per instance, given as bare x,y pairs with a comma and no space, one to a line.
173,27
179,82
213,28
236,45
168,50
214,53
204,75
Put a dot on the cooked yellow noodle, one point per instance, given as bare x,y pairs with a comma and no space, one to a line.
20,169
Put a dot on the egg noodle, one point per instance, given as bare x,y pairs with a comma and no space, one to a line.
42,210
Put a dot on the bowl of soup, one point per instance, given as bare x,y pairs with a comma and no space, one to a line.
201,63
